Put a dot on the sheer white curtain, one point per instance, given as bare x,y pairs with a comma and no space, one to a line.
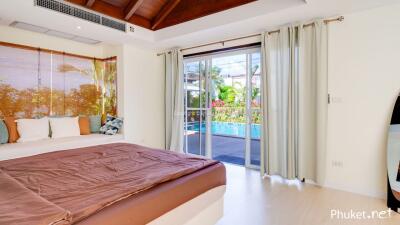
174,105
294,102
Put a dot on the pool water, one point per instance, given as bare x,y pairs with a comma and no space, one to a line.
228,129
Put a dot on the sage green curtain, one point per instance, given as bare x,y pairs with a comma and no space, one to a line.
174,101
294,102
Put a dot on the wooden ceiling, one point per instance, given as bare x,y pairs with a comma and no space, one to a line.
158,14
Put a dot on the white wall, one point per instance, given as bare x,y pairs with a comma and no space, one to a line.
140,93
364,81
143,96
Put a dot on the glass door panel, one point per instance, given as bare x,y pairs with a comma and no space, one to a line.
194,102
255,95
228,125
222,107
192,133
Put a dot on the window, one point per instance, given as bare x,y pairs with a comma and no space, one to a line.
35,83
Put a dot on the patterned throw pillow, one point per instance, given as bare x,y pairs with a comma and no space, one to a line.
3,133
112,125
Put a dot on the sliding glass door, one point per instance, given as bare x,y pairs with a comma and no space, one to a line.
222,110
195,107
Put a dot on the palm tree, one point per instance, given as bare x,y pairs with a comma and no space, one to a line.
217,81
104,75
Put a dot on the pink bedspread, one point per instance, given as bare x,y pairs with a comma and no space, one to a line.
68,186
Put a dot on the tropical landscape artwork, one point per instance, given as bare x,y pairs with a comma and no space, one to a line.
38,83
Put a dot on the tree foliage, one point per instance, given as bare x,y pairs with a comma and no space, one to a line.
94,98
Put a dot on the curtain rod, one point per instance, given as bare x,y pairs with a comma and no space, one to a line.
26,47
340,19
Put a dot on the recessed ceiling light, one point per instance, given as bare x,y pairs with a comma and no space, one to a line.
78,27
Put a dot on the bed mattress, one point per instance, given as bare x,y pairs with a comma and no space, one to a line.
148,205
18,150
107,184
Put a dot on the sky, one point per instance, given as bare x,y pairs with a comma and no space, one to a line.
230,65
20,69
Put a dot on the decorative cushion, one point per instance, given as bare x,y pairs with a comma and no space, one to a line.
112,125
33,129
3,133
84,125
95,123
53,116
12,129
65,127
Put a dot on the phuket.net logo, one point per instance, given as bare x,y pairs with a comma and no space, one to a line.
360,214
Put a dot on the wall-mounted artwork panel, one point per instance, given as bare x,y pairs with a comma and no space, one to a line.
37,82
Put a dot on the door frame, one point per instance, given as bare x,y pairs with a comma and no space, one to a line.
208,107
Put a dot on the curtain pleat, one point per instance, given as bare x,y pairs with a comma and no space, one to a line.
294,102
174,103
264,140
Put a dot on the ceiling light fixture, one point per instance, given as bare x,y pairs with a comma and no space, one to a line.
55,33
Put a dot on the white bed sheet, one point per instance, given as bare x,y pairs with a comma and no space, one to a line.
18,150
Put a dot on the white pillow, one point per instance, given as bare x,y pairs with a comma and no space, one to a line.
33,129
65,127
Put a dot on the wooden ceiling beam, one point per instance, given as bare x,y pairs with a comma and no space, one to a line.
116,12
132,7
140,21
152,15
198,9
89,3
164,12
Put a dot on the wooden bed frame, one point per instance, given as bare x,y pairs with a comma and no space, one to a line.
205,209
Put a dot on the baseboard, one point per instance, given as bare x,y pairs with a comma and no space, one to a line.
380,195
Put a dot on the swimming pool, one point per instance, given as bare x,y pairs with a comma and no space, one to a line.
228,129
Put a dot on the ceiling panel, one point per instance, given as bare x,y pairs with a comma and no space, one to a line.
157,14
118,3
198,9
150,8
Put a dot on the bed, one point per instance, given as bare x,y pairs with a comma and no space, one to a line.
148,191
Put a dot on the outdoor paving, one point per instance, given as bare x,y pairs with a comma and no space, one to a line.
226,149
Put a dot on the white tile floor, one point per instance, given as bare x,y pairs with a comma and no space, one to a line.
249,200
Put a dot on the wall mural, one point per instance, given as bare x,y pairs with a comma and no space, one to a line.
393,159
36,83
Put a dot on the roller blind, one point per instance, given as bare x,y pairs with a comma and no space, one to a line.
36,83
